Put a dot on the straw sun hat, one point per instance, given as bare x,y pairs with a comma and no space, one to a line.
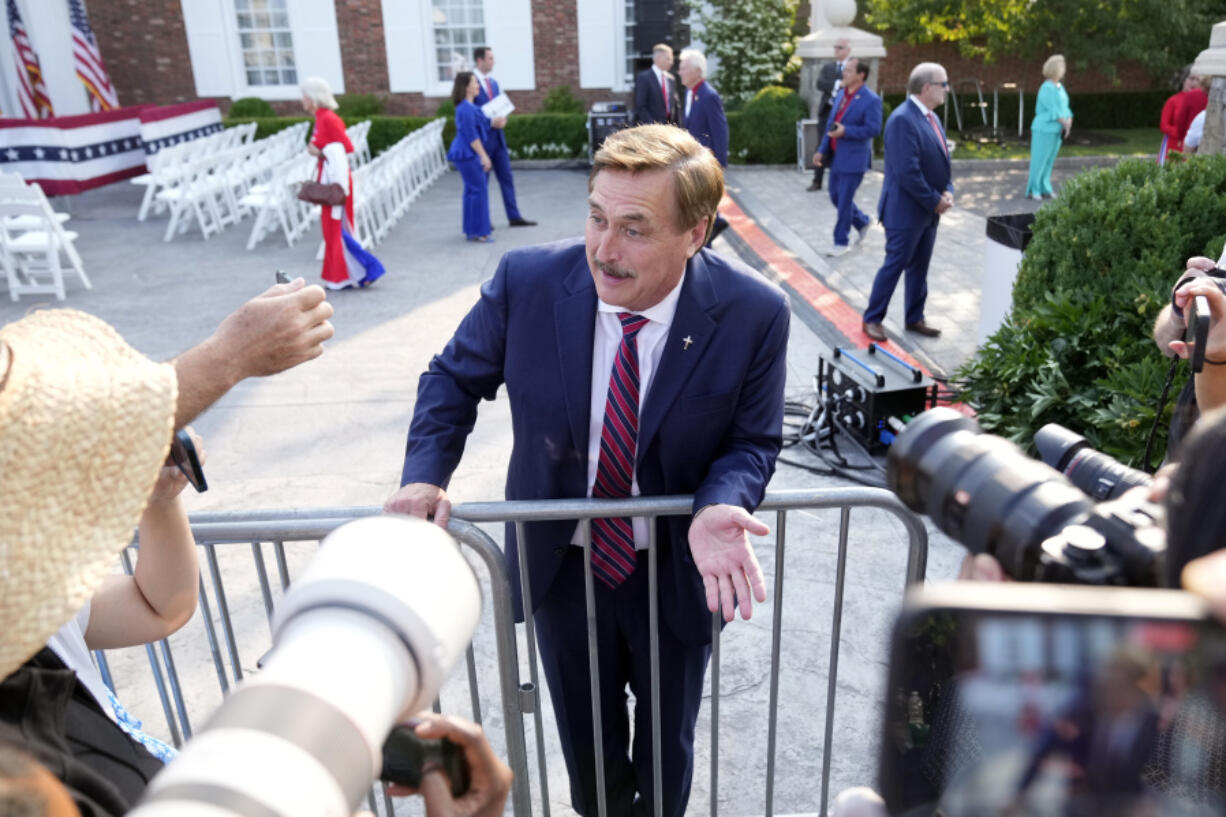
85,425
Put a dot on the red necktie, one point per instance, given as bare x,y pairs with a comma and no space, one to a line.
838,117
664,93
489,88
932,120
613,558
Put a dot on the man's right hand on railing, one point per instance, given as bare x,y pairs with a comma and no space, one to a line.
423,500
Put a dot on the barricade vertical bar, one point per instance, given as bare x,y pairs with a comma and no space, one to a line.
593,662
715,705
223,609
653,624
388,808
835,629
104,669
176,689
261,572
772,721
525,588
473,692
278,548
206,617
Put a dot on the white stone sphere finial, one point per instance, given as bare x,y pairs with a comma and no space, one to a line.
840,13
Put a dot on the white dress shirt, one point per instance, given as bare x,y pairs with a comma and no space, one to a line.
650,343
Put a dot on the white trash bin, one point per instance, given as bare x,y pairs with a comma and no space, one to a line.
1002,256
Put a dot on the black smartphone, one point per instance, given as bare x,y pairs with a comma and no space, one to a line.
1196,333
1054,699
281,277
183,454
404,754
832,128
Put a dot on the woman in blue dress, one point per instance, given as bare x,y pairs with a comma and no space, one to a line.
1052,121
468,154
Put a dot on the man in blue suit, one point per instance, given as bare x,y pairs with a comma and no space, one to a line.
918,188
636,363
704,116
855,121
497,149
655,93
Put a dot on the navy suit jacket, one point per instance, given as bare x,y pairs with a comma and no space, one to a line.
917,171
649,101
707,122
862,123
497,139
710,424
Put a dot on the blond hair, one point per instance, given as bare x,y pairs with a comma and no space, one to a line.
1053,67
698,180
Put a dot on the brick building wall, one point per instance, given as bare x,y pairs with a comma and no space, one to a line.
359,27
144,45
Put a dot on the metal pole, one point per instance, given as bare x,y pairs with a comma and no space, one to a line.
835,629
525,592
772,721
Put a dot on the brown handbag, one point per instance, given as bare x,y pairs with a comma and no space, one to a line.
327,194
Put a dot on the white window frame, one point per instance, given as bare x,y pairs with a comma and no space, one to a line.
238,32
431,54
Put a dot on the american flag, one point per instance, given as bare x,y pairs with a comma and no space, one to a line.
31,90
88,60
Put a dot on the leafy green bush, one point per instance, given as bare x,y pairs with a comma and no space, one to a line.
1077,348
764,131
446,108
561,100
385,131
266,125
250,106
358,105
554,135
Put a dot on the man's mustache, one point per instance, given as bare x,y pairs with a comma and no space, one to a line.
614,271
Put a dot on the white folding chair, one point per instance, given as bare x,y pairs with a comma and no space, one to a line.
31,258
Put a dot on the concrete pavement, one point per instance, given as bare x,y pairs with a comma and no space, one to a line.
331,433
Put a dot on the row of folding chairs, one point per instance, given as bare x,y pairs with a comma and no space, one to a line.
165,164
385,188
209,192
32,239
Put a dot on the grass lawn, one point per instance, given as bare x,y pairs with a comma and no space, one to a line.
1125,142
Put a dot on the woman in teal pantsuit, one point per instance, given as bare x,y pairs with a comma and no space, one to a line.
1052,121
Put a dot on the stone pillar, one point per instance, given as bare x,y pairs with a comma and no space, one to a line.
1212,63
830,21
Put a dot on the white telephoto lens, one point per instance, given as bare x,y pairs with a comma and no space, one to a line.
364,638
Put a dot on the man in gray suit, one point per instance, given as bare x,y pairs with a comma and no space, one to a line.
829,80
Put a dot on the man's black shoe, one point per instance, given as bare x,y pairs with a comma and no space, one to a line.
921,328
522,222
814,187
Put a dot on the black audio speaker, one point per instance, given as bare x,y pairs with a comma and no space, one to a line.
659,21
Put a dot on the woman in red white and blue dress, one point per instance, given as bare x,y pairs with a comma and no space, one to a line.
346,263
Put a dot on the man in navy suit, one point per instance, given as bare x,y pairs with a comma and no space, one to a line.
655,93
577,330
855,120
704,116
497,149
918,188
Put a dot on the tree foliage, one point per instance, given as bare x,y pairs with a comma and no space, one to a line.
1160,34
753,40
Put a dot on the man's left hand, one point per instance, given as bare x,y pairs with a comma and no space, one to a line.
498,122
837,131
719,542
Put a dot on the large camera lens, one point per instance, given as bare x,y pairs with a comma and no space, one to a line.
1092,471
981,490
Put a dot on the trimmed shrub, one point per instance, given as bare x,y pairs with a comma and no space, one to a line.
1077,347
266,125
385,131
1126,109
251,107
561,100
358,105
547,135
764,131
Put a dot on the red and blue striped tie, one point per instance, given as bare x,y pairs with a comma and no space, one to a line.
613,556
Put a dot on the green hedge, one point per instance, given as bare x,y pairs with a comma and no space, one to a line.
764,131
385,131
1077,348
1127,109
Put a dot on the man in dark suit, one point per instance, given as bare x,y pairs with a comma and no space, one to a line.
704,116
497,149
655,92
829,79
854,122
636,362
918,188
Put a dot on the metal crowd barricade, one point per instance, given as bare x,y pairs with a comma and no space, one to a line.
520,699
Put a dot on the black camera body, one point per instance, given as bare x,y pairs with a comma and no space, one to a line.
984,492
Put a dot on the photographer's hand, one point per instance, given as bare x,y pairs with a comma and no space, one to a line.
1211,381
980,567
1169,326
490,778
